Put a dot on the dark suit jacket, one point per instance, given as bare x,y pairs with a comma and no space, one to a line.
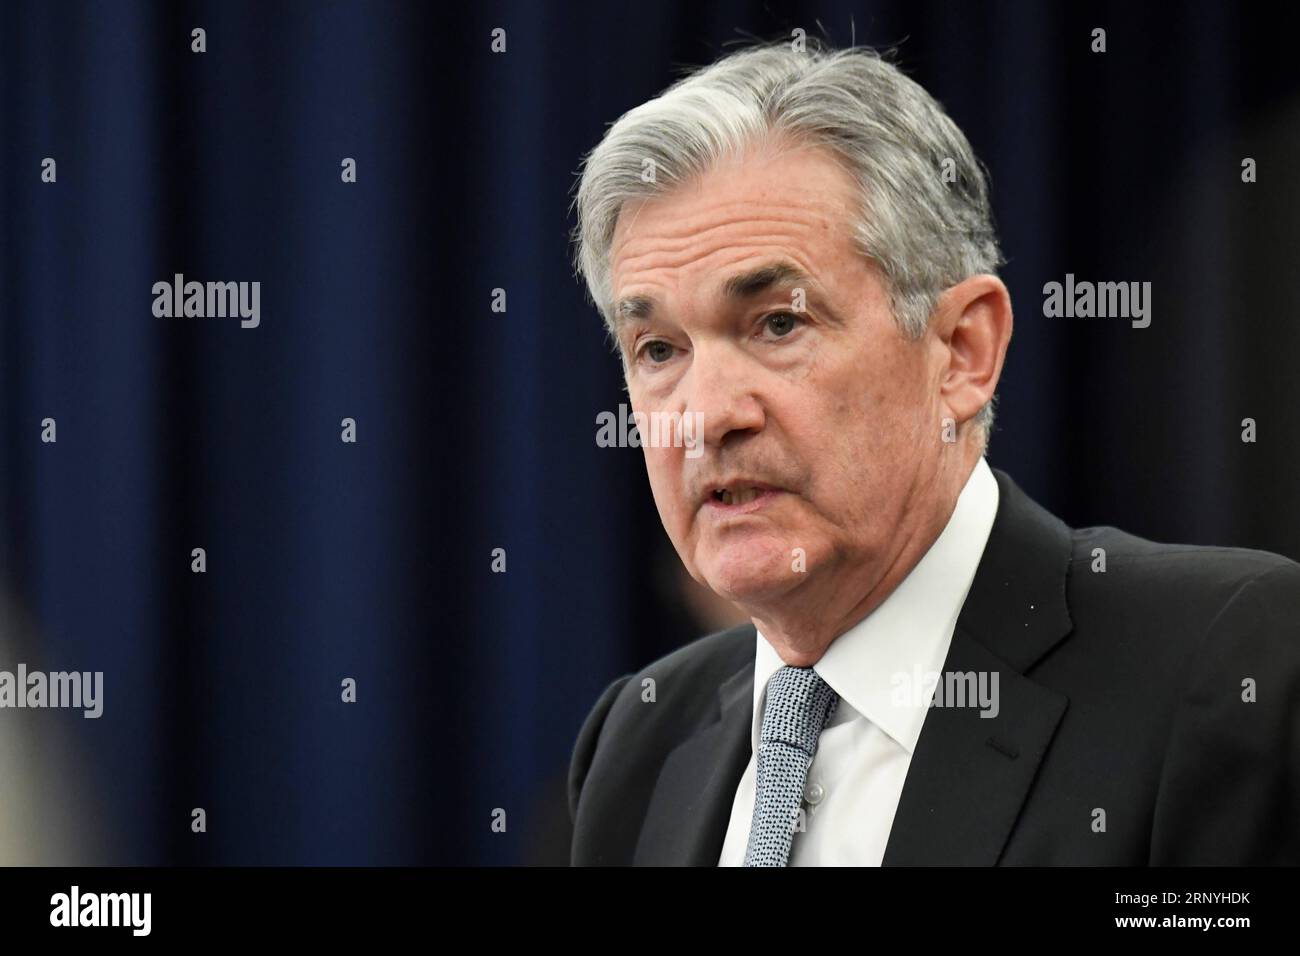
1120,691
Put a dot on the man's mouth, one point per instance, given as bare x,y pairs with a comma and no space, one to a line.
741,494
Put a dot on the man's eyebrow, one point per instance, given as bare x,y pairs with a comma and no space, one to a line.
634,307
757,281
745,285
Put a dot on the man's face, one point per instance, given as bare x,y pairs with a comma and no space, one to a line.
822,425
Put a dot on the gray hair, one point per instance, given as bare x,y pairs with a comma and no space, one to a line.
924,217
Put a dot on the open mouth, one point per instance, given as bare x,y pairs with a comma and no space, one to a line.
741,495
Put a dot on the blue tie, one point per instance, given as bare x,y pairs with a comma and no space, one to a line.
799,704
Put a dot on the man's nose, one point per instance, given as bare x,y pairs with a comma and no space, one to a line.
722,389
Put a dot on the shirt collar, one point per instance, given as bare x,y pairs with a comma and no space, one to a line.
908,634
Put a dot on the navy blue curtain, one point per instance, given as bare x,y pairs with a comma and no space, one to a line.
373,560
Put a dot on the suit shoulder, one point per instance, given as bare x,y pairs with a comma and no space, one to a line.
700,665
585,746
1206,568
715,655
1234,734
688,678
688,675
1177,596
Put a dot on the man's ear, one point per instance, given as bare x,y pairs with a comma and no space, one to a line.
972,325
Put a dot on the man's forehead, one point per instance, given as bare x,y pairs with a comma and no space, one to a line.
780,220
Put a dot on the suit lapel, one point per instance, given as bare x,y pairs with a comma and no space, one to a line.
970,774
691,807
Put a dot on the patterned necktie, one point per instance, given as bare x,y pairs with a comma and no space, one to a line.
799,704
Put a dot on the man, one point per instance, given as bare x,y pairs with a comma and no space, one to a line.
798,247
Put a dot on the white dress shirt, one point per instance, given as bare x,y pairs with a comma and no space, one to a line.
856,778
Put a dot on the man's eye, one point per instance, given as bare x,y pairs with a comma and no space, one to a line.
658,351
781,324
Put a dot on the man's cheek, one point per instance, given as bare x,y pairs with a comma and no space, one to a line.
693,434
665,485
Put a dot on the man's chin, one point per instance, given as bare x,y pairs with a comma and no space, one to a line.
750,582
